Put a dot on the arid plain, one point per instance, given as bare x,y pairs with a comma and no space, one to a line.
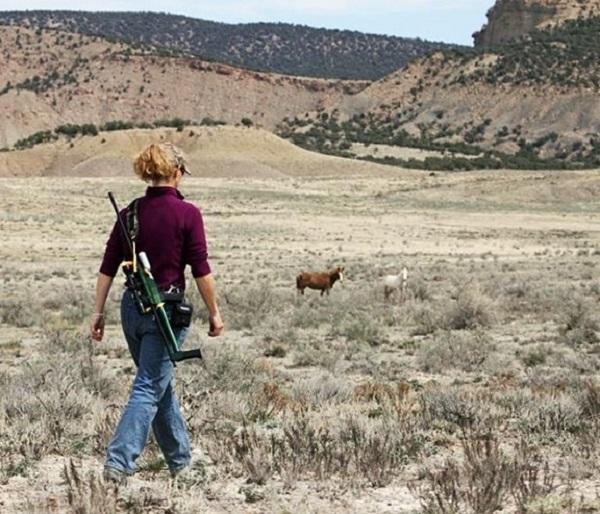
477,391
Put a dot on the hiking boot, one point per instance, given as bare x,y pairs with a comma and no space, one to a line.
179,471
114,476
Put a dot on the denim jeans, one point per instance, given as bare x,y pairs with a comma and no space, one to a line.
152,401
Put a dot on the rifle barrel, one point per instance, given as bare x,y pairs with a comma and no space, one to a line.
121,223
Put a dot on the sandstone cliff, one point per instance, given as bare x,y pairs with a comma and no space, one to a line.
510,19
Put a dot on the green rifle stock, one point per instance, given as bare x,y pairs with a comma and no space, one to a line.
148,295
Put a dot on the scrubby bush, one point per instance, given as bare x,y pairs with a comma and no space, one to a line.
246,307
358,326
578,321
552,417
325,443
448,350
535,356
471,309
478,485
468,309
47,407
488,477
452,408
428,317
418,289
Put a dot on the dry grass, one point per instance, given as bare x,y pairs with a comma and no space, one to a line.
476,388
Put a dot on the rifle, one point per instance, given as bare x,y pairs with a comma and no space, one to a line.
147,296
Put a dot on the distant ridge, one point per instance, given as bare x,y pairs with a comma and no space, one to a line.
275,47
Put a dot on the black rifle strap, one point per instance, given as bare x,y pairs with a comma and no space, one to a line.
133,224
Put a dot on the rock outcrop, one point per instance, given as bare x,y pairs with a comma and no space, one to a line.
510,19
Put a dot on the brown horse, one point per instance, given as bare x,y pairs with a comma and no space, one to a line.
323,281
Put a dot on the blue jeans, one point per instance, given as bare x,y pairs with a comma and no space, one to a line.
152,401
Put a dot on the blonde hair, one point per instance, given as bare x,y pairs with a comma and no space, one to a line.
159,162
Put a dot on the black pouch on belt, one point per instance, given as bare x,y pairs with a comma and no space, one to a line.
182,315
174,296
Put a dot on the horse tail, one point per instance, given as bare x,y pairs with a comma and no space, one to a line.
299,281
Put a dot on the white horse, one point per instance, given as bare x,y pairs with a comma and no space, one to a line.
393,283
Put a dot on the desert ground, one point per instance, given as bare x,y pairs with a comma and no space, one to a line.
475,390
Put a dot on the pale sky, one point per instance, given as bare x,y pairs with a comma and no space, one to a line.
451,21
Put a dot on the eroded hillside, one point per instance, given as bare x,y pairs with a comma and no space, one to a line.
531,103
54,77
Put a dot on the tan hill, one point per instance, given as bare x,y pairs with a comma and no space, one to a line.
531,100
53,77
510,19
222,151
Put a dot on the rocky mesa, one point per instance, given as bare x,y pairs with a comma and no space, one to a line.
510,19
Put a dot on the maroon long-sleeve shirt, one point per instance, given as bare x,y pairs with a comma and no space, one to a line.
171,232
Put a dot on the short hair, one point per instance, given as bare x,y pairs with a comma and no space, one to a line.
159,162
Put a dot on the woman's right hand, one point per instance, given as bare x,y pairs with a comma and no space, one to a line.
215,325
97,327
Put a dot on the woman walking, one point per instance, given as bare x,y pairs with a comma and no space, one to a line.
171,232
